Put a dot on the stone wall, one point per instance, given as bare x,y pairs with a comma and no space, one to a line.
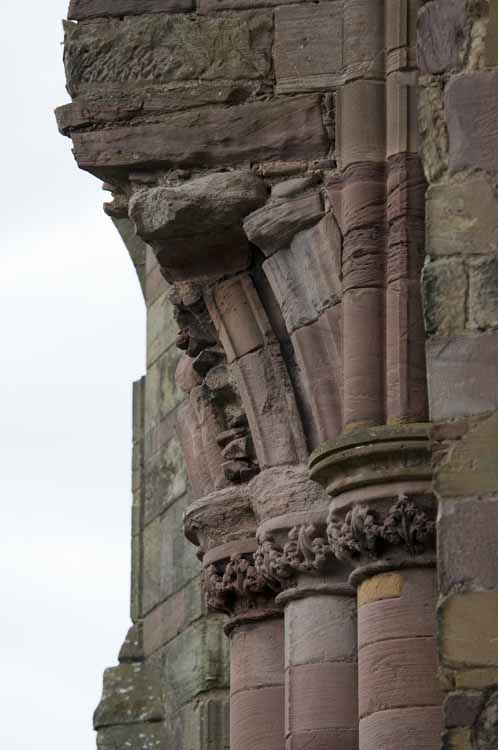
308,192
458,58
169,689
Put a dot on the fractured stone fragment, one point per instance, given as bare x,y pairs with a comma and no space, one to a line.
196,228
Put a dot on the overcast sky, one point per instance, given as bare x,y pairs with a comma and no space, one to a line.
72,323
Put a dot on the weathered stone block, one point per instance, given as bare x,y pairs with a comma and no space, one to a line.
140,737
155,283
487,727
457,739
195,661
364,23
442,26
322,698
137,577
460,563
462,217
308,625
161,327
472,113
132,649
203,461
476,679
178,562
401,33
82,9
462,376
432,127
492,36
256,656
167,48
138,406
402,108
406,376
169,560
165,479
462,709
162,394
131,695
239,317
318,349
273,226
381,663
471,467
363,336
409,728
467,629
361,123
282,129
204,723
150,582
196,228
269,401
118,105
378,588
206,6
169,619
306,278
408,613
483,293
257,718
445,295
308,46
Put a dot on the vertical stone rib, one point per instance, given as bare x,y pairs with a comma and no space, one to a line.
260,372
406,398
406,389
364,232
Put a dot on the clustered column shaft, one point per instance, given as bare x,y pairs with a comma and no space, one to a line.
257,685
399,702
320,670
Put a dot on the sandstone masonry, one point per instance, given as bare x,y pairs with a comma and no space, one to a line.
308,193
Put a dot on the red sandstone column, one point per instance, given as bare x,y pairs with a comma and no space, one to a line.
257,685
321,701
320,668
399,699
361,133
223,526
382,519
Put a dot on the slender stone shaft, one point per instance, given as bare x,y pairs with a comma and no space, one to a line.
257,685
399,697
321,672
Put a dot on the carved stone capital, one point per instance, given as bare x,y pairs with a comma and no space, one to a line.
236,587
366,533
382,515
306,550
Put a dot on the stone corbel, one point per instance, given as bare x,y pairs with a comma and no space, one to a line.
195,226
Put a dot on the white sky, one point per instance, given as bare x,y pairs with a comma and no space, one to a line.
72,338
